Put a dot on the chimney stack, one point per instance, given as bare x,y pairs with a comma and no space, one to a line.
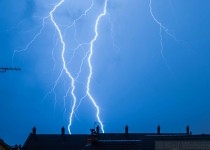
126,129
34,131
158,129
93,137
97,129
63,131
188,130
92,131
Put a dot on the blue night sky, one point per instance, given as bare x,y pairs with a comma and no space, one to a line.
134,82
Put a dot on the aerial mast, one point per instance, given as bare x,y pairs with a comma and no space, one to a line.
5,69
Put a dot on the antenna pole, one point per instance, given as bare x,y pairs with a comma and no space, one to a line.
5,69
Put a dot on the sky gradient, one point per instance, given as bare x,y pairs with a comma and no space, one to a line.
135,81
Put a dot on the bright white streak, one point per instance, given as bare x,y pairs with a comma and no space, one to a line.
32,41
64,62
162,27
90,66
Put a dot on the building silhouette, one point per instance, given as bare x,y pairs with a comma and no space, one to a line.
5,146
117,141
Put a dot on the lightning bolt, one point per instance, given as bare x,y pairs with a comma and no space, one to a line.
64,62
89,61
115,46
72,88
90,66
32,41
88,55
161,28
64,69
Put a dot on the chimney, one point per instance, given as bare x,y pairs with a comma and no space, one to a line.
126,129
92,131
97,129
187,130
158,129
34,131
63,131
93,137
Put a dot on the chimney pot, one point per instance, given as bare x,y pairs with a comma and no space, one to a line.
62,130
92,131
97,129
34,130
188,130
158,129
126,129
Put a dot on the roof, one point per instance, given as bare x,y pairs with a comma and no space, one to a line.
4,145
55,141
121,145
153,136
114,141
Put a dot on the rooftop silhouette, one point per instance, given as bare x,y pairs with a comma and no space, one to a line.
117,141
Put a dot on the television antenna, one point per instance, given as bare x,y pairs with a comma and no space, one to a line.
5,69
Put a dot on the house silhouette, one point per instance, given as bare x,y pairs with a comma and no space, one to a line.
117,141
